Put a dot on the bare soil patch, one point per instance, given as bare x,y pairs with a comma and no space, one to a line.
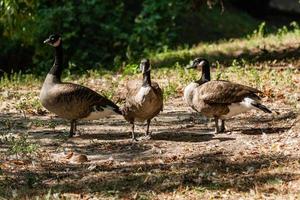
258,157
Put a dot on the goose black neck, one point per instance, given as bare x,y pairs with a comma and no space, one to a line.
205,77
205,73
56,69
146,79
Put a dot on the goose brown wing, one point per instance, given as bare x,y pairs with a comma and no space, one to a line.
225,92
158,91
81,99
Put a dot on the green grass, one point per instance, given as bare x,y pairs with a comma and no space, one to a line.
18,80
228,49
21,146
43,123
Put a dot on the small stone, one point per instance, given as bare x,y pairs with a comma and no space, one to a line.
80,158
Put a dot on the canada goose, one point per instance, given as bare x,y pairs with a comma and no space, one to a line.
144,99
68,100
220,99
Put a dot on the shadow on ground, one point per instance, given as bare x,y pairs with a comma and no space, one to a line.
188,136
213,171
144,166
260,131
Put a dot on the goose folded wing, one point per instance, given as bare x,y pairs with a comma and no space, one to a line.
225,92
84,98
159,92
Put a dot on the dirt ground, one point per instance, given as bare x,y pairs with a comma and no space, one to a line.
257,158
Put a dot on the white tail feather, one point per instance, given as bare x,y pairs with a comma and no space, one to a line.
96,114
238,108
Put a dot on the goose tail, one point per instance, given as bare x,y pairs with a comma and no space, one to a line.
261,107
117,110
114,107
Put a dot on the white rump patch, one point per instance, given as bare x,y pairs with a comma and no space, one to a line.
95,114
238,108
140,96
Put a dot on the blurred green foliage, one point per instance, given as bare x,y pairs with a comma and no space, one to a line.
100,33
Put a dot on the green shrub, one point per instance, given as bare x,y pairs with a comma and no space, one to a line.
103,34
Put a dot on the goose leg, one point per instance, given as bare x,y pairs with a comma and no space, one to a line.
132,132
73,128
148,134
217,130
222,129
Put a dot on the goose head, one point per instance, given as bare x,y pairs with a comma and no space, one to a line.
201,64
145,65
53,40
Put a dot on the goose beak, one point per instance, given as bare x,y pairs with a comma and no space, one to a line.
189,67
47,41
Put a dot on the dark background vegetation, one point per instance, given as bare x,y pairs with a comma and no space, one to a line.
107,34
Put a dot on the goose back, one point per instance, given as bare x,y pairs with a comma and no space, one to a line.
225,92
223,99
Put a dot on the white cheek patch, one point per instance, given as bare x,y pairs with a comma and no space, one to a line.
140,97
57,43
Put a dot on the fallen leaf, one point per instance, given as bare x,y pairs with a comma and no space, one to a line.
69,155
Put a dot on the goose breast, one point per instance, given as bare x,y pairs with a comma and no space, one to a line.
144,102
